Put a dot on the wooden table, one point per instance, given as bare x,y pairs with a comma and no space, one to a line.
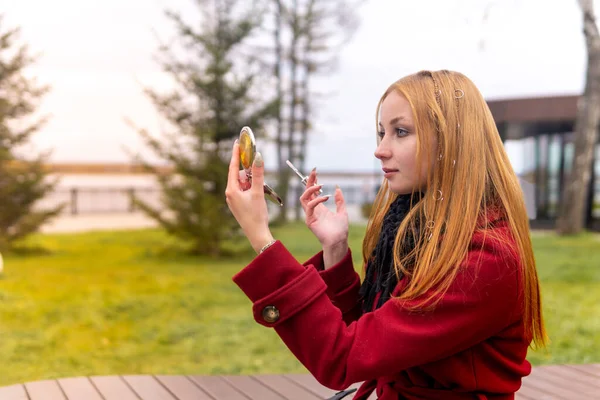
570,382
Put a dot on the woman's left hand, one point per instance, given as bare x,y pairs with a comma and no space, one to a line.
247,204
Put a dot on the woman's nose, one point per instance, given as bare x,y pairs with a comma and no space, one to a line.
382,150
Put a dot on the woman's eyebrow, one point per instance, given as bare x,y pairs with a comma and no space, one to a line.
394,120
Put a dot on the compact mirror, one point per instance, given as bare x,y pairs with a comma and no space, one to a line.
247,144
247,148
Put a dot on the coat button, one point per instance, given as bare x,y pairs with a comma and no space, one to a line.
270,314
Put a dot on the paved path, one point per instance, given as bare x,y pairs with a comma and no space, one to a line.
95,222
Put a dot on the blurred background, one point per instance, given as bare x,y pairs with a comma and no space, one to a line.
100,59
119,116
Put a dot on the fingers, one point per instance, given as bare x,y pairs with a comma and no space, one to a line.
312,177
340,203
309,194
258,173
311,205
234,167
244,181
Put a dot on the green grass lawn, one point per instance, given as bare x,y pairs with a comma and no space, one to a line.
130,302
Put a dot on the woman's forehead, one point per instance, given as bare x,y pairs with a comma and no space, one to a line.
395,108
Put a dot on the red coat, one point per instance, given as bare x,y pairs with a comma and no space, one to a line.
470,346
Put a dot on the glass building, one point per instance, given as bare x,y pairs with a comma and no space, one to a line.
542,128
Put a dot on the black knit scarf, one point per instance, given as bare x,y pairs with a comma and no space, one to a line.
380,276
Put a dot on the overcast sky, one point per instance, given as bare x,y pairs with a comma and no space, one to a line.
97,54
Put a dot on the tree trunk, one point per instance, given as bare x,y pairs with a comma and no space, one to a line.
304,129
282,176
284,171
573,205
305,86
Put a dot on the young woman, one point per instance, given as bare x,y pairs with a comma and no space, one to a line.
450,301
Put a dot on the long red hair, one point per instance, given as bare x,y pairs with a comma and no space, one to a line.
474,176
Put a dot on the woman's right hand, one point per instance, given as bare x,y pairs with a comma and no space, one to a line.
330,228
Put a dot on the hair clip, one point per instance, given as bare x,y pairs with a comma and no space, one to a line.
437,92
429,226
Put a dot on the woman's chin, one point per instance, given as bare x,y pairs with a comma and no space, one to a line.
400,188
400,191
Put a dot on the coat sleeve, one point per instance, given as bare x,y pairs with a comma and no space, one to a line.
343,284
480,302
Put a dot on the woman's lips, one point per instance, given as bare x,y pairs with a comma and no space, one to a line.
388,173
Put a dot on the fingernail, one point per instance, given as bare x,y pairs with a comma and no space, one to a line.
237,141
337,187
258,160
314,169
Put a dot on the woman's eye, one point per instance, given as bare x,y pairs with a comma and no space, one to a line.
380,134
401,132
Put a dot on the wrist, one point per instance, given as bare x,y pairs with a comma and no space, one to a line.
341,245
260,242
333,254
333,244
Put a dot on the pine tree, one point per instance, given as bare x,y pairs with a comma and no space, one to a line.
215,97
23,180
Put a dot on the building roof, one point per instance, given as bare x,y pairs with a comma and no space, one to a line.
535,109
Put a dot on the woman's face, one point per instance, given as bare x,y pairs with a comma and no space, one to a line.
397,148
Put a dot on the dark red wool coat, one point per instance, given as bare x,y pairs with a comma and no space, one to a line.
471,346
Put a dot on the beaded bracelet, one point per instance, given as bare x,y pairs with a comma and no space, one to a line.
266,246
